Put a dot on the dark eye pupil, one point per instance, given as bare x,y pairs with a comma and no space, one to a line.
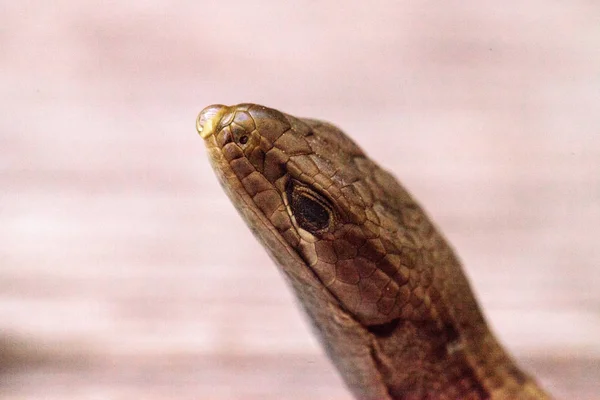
310,214
244,139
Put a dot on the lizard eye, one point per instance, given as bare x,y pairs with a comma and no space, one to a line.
311,210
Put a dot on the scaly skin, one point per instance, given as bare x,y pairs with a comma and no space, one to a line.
381,285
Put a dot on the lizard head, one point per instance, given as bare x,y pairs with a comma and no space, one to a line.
319,194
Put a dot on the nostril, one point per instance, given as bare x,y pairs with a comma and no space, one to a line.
209,118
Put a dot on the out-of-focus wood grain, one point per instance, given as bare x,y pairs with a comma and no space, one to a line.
125,272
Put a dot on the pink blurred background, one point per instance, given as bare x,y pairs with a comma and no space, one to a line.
126,273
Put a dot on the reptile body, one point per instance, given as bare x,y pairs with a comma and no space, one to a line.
382,287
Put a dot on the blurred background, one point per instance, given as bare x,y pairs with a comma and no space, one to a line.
126,273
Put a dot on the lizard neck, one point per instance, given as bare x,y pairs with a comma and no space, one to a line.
417,360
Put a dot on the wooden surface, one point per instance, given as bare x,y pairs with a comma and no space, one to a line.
125,272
